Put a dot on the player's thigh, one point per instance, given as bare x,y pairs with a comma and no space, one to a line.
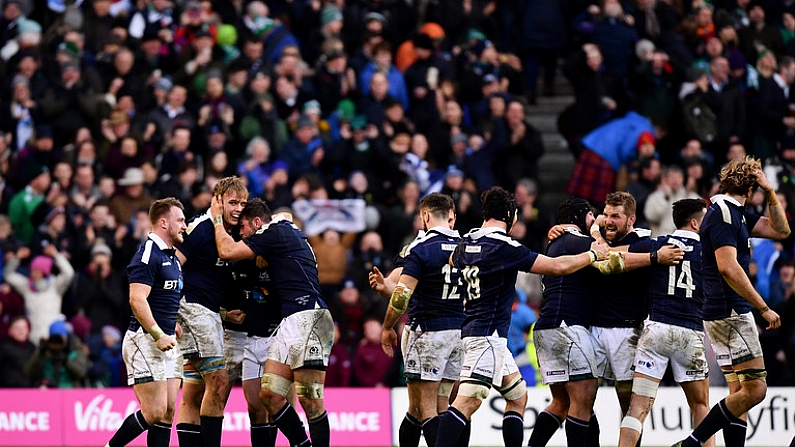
735,340
304,339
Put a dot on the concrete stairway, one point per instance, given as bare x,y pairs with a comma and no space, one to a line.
556,165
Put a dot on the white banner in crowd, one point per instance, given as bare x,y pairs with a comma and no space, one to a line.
771,423
345,216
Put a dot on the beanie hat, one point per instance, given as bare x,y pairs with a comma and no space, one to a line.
43,264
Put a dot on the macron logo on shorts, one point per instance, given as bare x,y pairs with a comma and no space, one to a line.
558,372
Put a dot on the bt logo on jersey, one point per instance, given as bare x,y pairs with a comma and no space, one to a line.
171,284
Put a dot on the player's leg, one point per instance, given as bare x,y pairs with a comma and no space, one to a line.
188,419
644,391
147,373
736,344
697,394
514,391
309,385
277,380
551,419
263,431
153,397
582,394
414,423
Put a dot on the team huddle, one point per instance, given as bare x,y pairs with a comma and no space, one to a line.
593,324
235,293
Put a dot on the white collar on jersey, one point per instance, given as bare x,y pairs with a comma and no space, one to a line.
726,198
477,233
445,231
687,234
158,240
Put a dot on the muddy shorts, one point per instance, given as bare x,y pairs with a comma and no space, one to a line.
432,355
566,354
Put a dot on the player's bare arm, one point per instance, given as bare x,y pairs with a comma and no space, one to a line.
228,249
733,273
563,265
143,313
775,225
384,285
398,304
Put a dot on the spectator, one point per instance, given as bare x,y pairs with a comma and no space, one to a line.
607,149
382,63
758,32
102,295
16,350
106,368
640,188
597,94
370,363
517,147
11,306
59,361
332,251
731,119
338,373
20,210
543,33
774,112
657,209
42,291
132,197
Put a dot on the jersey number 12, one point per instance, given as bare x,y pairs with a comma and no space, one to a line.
450,291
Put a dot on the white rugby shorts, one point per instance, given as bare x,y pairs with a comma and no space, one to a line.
304,339
432,355
661,343
566,354
734,339
202,331
145,363
234,342
255,354
615,350
486,358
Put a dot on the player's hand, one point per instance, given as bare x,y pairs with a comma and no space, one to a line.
670,255
388,339
762,181
166,343
602,250
262,263
217,206
178,331
774,321
555,232
236,316
377,282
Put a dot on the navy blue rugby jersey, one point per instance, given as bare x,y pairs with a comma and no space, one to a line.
235,300
261,305
569,298
291,264
489,261
726,223
436,304
623,302
676,295
207,278
157,266
400,259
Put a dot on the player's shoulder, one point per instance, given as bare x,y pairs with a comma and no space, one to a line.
199,223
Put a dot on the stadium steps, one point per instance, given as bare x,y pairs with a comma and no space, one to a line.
557,164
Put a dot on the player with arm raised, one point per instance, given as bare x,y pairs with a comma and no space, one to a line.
729,295
299,351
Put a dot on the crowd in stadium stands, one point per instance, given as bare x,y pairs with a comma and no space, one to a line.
107,104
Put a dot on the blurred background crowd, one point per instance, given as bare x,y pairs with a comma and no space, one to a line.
107,104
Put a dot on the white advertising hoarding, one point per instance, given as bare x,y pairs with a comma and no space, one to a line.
771,423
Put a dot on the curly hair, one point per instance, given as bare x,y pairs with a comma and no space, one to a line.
739,176
231,183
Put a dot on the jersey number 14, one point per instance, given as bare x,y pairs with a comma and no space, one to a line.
682,280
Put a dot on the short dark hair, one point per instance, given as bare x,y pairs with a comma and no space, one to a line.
256,207
437,204
498,204
685,209
162,207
